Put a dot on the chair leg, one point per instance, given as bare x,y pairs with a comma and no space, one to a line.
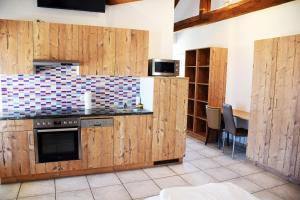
223,140
233,147
207,135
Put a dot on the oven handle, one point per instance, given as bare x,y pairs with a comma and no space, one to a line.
56,130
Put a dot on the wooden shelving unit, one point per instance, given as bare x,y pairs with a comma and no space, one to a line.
206,70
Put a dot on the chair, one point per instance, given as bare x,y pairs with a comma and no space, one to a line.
213,121
230,127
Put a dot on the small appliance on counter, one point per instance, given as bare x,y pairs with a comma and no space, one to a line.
163,67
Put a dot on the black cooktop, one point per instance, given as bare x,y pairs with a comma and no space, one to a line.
63,113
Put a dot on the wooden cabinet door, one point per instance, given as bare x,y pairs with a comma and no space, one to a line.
274,123
169,121
14,157
262,99
285,131
131,52
56,41
97,147
132,140
16,47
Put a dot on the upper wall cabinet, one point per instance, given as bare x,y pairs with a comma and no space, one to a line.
16,47
100,50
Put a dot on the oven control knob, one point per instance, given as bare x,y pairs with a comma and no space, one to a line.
65,122
49,123
38,123
70,122
44,123
75,122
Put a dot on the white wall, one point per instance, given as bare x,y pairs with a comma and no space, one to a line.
238,35
157,16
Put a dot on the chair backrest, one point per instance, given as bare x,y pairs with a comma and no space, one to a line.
228,119
213,117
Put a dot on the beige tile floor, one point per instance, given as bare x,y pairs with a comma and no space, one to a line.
202,164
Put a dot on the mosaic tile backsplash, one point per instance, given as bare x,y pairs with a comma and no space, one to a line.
52,91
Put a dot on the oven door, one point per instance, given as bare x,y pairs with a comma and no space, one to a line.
54,145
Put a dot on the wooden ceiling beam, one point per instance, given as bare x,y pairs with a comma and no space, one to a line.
233,10
115,2
175,3
205,6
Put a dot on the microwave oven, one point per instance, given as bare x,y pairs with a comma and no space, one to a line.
163,67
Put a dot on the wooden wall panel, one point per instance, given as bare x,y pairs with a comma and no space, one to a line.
274,124
132,142
170,100
217,76
16,47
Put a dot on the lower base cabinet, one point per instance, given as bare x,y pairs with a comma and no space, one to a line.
133,140
97,147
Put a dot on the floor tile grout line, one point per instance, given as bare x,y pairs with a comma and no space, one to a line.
90,187
123,185
19,191
54,188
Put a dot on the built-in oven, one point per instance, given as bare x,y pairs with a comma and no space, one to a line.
163,67
57,139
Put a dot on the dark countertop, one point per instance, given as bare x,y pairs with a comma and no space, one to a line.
42,114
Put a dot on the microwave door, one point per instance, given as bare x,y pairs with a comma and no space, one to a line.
164,68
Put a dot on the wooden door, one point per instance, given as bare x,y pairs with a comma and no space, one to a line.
97,147
169,121
16,47
132,140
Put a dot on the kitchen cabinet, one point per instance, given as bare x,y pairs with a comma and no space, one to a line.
14,148
100,50
131,52
133,140
16,47
273,139
169,118
97,147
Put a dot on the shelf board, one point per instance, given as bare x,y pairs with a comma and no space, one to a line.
202,101
191,115
203,66
191,66
193,83
195,135
191,99
201,118
204,84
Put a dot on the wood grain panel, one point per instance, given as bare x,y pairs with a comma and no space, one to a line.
109,51
15,157
101,51
16,47
132,142
97,147
274,122
123,43
217,77
169,132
